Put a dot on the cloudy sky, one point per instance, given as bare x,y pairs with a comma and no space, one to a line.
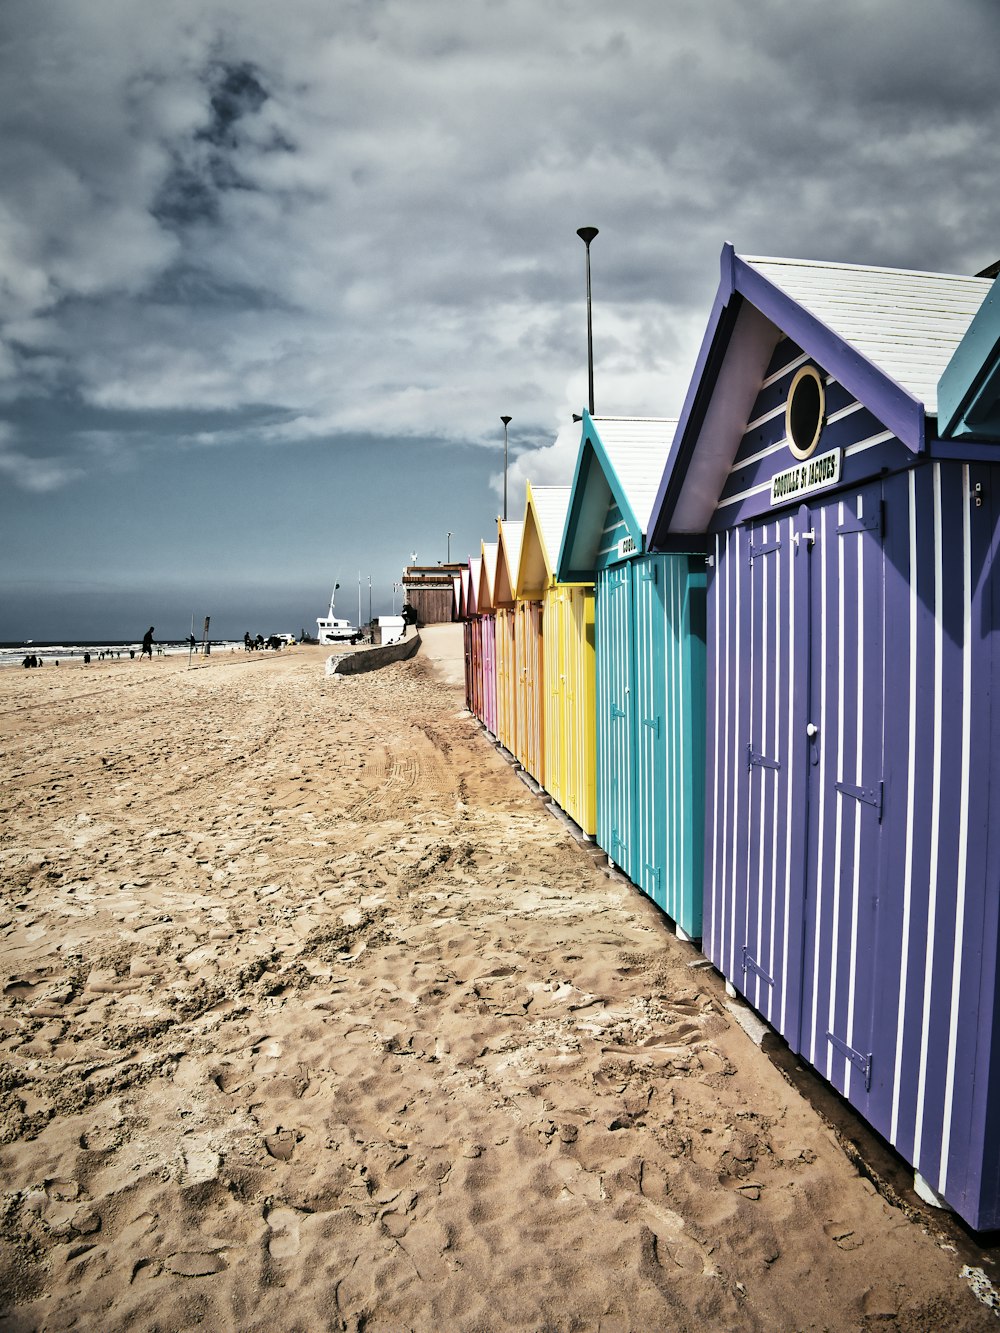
270,273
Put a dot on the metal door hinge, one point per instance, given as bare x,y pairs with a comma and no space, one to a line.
751,965
755,760
872,796
859,1060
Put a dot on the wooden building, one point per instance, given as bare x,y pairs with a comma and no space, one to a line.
852,835
429,589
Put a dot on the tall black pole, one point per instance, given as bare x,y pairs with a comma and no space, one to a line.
587,234
506,422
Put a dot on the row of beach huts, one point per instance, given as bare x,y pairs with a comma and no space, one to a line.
753,651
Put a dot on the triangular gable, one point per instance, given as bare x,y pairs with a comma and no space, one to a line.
510,532
487,578
465,592
969,387
544,520
457,585
884,334
620,462
472,598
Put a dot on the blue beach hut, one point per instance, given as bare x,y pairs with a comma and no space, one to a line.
852,851
649,651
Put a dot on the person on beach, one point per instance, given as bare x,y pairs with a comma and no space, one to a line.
147,644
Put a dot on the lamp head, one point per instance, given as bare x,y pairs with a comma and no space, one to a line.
586,234
506,420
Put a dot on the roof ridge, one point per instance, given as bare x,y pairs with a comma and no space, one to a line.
862,268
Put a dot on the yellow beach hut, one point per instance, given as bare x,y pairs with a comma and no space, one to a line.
569,743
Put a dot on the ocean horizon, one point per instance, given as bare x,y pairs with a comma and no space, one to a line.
13,652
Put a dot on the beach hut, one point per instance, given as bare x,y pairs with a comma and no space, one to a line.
509,533
463,613
567,626
529,651
474,640
649,647
853,789
487,629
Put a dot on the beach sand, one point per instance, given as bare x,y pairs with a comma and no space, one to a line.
313,1017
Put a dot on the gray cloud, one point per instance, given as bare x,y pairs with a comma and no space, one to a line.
225,222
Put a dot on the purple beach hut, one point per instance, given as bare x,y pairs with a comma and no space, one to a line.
852,848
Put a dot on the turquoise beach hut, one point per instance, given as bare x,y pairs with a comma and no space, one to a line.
649,623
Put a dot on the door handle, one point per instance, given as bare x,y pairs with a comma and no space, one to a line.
812,731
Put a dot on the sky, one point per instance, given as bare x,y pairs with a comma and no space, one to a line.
271,274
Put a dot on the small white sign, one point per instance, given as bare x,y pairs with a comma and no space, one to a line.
812,475
626,547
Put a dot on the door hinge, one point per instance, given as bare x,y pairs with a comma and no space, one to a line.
872,796
860,1061
755,760
751,965
765,548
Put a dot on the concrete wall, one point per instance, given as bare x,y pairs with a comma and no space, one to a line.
370,659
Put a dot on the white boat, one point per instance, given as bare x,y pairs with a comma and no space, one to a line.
331,630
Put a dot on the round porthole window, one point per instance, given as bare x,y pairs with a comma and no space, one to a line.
804,412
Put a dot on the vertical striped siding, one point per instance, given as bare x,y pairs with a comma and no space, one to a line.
489,674
580,709
467,654
554,765
477,667
530,686
569,723
506,678
879,939
612,626
650,633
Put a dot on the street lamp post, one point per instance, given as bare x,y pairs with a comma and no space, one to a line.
506,422
448,561
587,234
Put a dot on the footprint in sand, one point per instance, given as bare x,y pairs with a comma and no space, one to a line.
201,1163
281,1144
283,1242
195,1265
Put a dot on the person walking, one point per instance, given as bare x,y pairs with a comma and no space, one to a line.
147,644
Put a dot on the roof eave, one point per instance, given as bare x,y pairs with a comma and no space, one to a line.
565,571
898,409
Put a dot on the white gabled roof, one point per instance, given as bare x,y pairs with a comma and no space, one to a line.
906,323
511,531
637,449
550,505
489,567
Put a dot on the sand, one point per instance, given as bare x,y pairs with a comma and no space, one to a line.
314,1017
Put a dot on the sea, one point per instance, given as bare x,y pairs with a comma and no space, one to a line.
49,653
